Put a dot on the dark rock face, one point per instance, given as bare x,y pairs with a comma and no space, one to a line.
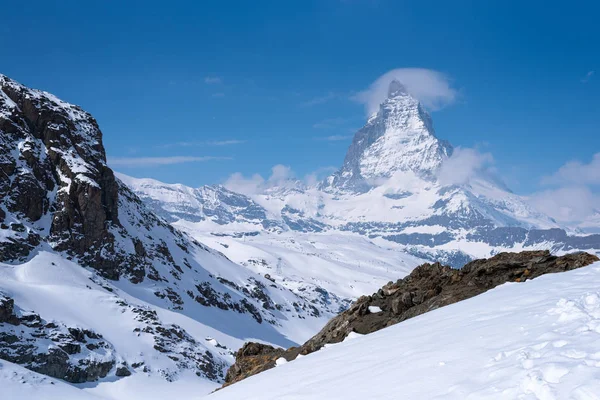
177,344
72,354
428,287
53,161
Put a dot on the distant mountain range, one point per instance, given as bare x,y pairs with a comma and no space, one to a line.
396,183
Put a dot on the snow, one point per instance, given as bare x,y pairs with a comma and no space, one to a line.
19,383
344,264
280,361
533,340
374,309
63,291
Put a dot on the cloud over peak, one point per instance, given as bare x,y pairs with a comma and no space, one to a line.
430,87
463,165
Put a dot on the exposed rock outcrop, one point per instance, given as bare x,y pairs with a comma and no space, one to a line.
54,164
70,353
426,288
252,359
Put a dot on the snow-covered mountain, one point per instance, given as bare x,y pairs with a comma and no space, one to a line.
397,183
399,137
97,290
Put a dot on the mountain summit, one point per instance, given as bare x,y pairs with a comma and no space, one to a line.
399,137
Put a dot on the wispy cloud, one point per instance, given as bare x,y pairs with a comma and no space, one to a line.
432,88
334,138
463,165
213,80
226,142
218,95
280,175
566,204
158,161
312,179
587,77
319,100
576,172
570,197
330,123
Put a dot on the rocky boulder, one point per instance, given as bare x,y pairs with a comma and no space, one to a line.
252,359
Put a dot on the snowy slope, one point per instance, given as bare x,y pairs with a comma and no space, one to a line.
327,269
20,383
533,340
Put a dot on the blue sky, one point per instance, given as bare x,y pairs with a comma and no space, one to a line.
195,91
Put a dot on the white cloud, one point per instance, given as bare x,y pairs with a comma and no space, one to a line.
330,123
588,76
319,100
572,199
431,88
566,204
213,80
463,165
238,183
313,179
157,161
576,173
334,138
225,142
280,175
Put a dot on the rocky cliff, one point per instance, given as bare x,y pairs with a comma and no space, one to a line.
70,230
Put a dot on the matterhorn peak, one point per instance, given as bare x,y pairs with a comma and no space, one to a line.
399,137
396,88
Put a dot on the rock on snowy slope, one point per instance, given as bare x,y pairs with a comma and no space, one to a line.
63,210
428,287
537,340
